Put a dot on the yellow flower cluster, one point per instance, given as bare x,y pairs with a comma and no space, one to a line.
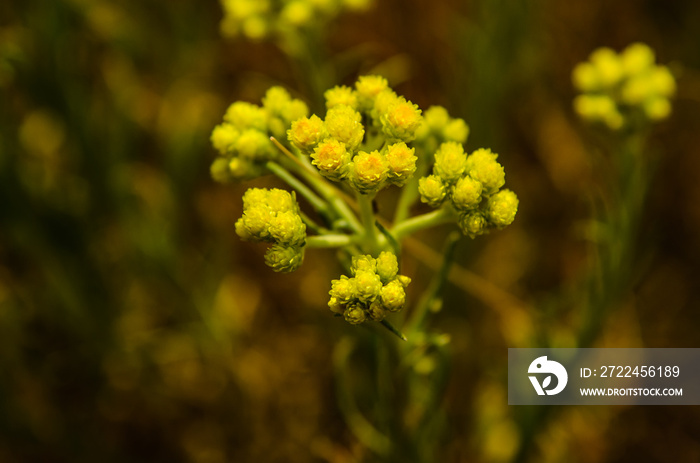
260,19
273,216
619,88
471,184
363,138
374,289
242,140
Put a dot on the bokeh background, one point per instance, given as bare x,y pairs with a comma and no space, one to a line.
135,326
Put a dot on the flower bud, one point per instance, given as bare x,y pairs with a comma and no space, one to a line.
287,229
450,162
245,115
473,224
402,163
662,81
254,145
219,170
466,193
256,221
607,65
355,313
294,110
501,208
368,87
436,118
382,102
280,201
276,99
364,263
284,259
387,266
637,58
223,138
657,108
341,95
297,13
376,312
585,77
393,296
368,172
332,159
344,124
432,190
255,197
343,290
336,306
306,132
456,130
367,286
401,120
482,166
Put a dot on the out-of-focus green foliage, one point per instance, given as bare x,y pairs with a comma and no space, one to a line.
135,327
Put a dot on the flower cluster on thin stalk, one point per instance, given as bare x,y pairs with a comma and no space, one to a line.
619,90
242,140
272,215
374,289
260,19
471,186
369,138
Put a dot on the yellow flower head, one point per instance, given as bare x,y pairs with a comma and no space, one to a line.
432,190
344,124
332,159
355,313
473,224
501,208
387,266
393,296
482,166
368,285
245,115
254,145
368,87
223,137
363,263
402,163
306,132
286,228
284,259
340,95
401,120
369,171
450,162
219,170
466,193
343,290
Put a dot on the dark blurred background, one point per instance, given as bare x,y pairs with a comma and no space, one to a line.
135,326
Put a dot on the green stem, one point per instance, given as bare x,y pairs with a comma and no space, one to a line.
418,317
370,242
316,202
431,219
329,241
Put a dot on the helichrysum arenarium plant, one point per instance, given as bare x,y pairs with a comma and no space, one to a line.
622,96
369,139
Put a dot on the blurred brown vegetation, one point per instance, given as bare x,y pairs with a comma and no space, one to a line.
135,326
